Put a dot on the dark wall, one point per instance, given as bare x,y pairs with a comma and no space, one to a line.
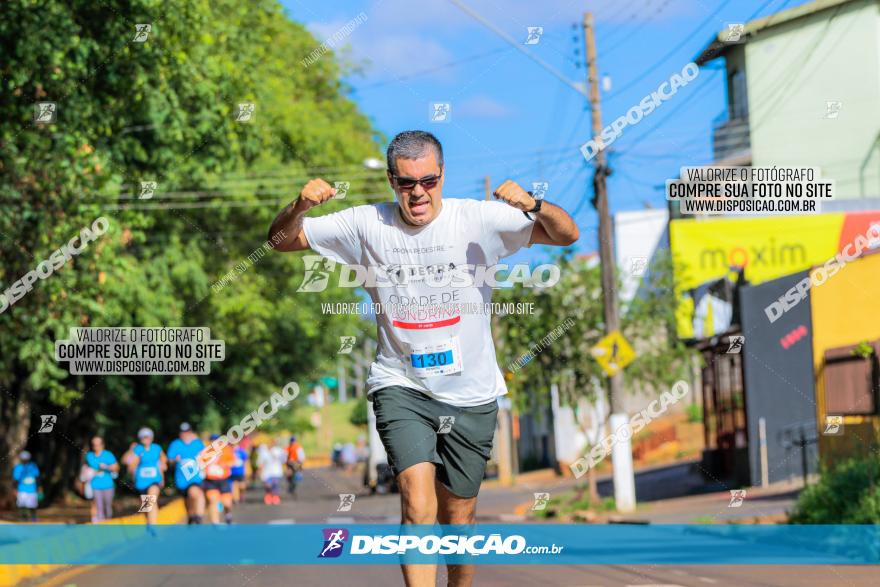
535,447
779,382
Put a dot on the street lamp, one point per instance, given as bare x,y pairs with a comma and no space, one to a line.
374,164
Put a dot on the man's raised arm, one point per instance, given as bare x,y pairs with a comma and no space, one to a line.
289,222
553,225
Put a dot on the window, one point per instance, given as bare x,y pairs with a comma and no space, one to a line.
737,96
851,380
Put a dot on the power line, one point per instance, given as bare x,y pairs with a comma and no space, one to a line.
422,72
779,92
624,8
670,53
284,184
672,112
692,96
637,28
476,16
217,205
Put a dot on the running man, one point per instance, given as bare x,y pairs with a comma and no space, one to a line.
182,452
270,463
238,473
296,456
147,464
218,484
26,474
433,361
104,470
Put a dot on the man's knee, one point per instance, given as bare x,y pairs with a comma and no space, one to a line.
459,512
418,499
419,506
453,509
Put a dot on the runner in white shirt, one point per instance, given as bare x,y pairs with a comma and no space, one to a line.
435,381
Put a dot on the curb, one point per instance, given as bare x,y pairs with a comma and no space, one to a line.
10,575
317,462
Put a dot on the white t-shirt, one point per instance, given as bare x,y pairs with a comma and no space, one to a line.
271,461
429,336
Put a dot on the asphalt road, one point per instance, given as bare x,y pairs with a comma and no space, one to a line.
319,499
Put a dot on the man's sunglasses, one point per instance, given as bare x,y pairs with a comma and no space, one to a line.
407,183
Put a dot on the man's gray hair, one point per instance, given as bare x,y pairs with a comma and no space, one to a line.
412,144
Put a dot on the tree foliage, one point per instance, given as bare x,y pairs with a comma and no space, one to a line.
574,305
848,493
162,110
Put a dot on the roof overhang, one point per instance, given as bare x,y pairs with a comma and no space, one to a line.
718,44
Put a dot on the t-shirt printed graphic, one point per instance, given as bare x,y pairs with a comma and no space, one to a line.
425,341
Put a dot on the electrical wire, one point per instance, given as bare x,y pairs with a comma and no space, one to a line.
507,38
422,72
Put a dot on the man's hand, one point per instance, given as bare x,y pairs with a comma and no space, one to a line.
513,195
553,226
289,221
316,192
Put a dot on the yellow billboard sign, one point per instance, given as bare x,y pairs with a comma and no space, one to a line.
764,248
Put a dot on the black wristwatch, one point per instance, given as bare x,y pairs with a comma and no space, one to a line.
536,209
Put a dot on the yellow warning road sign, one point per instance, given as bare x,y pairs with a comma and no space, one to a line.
613,353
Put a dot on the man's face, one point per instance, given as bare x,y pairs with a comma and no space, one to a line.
418,205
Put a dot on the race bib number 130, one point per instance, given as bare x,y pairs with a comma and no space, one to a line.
439,358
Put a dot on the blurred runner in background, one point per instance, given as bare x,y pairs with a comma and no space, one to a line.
104,469
296,456
239,473
348,457
218,484
84,487
147,464
26,474
187,475
270,461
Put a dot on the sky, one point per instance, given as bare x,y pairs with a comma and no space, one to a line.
511,118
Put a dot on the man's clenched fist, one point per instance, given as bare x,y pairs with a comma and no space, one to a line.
315,192
515,196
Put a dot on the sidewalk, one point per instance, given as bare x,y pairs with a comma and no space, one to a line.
667,494
763,505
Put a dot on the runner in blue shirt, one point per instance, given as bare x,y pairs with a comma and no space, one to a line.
147,463
26,475
188,477
105,470
238,473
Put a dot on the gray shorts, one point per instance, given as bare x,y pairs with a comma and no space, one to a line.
416,428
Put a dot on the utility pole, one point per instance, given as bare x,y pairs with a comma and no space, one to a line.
487,187
340,379
621,453
360,366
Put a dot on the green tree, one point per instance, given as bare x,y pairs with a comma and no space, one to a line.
574,308
160,110
359,412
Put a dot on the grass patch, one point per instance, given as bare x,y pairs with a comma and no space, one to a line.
574,501
335,426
